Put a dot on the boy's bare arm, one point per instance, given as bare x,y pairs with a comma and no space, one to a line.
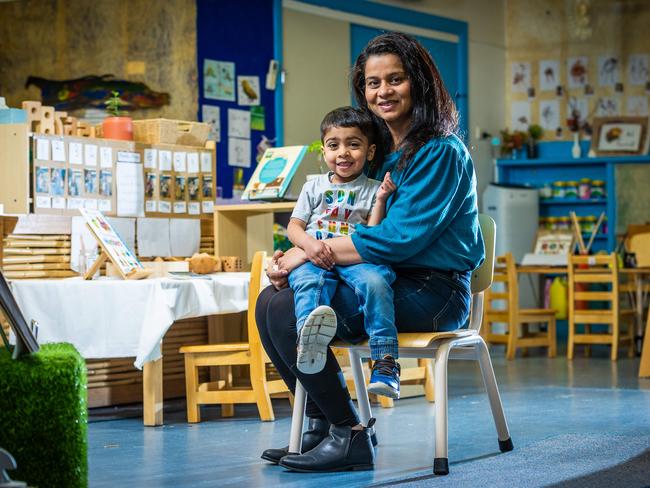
378,211
317,251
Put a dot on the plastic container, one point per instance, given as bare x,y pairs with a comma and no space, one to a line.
588,224
571,189
551,223
543,222
584,189
559,300
546,191
559,189
598,189
563,223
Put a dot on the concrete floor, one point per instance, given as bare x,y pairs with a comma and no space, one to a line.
542,398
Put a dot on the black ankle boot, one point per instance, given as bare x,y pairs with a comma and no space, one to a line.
344,450
317,430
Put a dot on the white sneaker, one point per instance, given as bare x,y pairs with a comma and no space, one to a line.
315,336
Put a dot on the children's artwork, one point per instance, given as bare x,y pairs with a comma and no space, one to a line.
165,186
219,80
608,107
193,188
549,114
638,69
90,181
42,179
549,74
608,70
520,115
42,149
239,152
258,118
106,183
577,110
57,181
58,150
554,242
274,172
239,123
520,77
74,183
578,71
211,115
179,188
90,154
150,185
75,155
112,247
248,90
206,186
637,106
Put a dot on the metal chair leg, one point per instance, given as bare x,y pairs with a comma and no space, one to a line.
297,419
360,386
441,459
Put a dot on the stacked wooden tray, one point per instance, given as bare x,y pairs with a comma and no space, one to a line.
207,237
36,256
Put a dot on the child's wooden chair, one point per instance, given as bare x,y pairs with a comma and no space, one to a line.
517,319
597,270
249,353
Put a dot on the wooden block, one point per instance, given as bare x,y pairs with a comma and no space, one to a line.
33,109
46,122
58,122
70,126
232,263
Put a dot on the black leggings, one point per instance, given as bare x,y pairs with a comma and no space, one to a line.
425,301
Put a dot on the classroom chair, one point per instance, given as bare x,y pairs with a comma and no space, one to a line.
249,353
518,334
439,346
586,273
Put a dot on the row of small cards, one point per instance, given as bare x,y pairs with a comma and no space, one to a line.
84,188
78,153
178,193
179,161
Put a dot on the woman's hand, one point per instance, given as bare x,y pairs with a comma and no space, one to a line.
282,264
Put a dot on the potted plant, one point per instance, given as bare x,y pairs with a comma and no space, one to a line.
535,133
117,125
512,142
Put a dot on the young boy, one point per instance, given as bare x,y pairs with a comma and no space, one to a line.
331,206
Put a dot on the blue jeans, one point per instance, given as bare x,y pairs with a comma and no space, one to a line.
314,286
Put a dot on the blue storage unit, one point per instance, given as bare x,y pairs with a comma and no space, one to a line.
556,164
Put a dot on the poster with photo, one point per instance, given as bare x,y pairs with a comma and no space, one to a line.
90,182
206,187
638,69
549,74
150,185
42,179
57,181
578,71
219,80
609,70
179,188
211,115
165,187
520,77
193,190
75,183
248,90
106,183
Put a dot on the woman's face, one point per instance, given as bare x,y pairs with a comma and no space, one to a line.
388,91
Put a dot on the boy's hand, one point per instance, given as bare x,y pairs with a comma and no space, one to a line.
387,187
320,254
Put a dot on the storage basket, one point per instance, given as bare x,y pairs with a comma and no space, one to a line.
165,131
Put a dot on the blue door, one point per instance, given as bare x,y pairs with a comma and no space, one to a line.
445,54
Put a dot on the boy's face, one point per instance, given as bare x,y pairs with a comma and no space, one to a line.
346,151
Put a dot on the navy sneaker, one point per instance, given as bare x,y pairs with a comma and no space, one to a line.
384,379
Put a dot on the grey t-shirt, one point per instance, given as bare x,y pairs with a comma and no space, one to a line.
333,210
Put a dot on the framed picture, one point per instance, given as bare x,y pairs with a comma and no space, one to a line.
554,242
620,136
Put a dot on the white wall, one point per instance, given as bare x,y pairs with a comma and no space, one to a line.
317,61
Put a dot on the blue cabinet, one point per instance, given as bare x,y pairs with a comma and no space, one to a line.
556,164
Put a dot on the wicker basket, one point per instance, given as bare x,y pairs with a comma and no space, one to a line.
164,131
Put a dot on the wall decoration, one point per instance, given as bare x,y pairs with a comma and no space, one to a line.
248,90
578,71
638,69
549,114
239,152
520,77
520,115
608,107
608,70
212,116
219,80
549,74
577,113
92,91
257,118
637,106
619,135
239,123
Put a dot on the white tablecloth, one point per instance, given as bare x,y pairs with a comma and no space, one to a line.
109,318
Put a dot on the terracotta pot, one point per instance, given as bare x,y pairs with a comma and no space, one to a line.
118,128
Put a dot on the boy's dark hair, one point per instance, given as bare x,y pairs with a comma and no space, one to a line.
434,112
350,117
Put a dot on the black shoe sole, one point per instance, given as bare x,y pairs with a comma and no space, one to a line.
354,467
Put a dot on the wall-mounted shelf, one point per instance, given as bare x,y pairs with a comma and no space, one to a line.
573,201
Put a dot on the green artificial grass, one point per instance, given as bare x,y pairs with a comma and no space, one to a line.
44,416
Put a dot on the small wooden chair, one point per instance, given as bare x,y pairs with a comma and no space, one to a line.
594,270
517,319
249,353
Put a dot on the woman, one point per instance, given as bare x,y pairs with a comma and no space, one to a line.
430,236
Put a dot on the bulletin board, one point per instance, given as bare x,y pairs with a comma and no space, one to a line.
228,32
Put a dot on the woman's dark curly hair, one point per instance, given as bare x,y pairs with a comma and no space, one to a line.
434,112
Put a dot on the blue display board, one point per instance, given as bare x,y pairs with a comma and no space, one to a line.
241,33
